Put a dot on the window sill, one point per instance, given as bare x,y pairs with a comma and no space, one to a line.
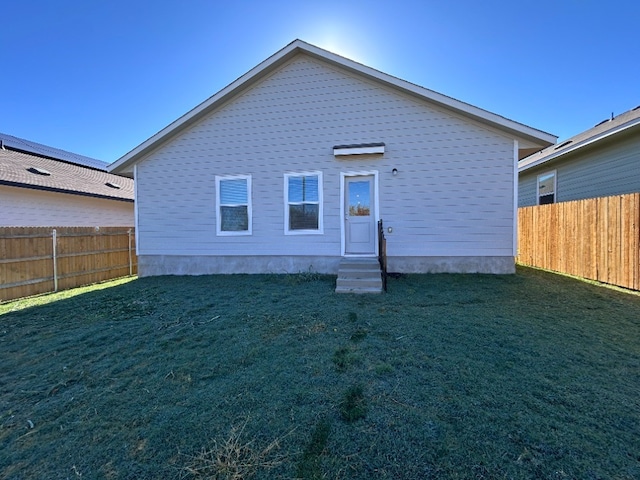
304,232
233,234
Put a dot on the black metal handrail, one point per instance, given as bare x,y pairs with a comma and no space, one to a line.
382,254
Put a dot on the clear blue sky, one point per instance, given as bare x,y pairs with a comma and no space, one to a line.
98,77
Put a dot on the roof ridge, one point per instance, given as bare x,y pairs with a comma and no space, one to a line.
27,146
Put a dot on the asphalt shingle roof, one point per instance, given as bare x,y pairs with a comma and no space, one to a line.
29,170
601,130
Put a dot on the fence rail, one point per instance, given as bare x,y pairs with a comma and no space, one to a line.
37,260
596,238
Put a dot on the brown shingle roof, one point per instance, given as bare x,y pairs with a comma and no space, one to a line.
20,169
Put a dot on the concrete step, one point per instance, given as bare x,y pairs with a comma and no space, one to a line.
359,282
359,275
359,290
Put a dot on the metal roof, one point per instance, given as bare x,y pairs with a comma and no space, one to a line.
28,146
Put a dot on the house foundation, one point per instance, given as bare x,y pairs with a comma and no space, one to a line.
153,265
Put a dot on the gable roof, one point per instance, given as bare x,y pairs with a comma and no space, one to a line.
19,168
530,137
603,130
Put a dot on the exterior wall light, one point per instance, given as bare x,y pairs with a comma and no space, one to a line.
394,172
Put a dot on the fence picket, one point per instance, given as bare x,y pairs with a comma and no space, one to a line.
597,238
83,256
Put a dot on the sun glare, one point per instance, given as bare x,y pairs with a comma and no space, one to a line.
343,41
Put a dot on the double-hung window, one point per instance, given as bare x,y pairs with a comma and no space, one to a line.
547,188
303,203
233,199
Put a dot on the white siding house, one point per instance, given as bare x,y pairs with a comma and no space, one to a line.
39,208
290,167
41,186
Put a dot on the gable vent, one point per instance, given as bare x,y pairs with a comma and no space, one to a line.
113,185
39,171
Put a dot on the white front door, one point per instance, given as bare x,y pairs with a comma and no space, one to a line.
360,215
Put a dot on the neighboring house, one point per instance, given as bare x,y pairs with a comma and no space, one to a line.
44,186
290,167
602,161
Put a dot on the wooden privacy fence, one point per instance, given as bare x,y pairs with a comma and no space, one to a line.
43,259
596,238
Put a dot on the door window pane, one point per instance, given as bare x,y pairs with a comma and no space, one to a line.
360,199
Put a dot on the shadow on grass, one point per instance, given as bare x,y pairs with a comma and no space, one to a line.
466,376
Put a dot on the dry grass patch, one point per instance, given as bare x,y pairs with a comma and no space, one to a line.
235,457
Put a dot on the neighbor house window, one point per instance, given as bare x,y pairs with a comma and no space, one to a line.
303,203
547,188
233,196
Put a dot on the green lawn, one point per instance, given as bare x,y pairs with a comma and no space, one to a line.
525,376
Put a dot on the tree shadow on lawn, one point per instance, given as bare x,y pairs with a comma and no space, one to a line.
464,376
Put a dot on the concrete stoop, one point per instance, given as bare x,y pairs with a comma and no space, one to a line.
359,275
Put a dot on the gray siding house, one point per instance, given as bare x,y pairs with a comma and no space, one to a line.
290,167
599,162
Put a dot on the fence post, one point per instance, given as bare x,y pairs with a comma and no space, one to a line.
130,257
54,236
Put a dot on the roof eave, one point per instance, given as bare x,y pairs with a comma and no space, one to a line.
518,129
193,115
585,143
45,188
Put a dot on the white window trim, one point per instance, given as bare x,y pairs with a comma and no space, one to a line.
136,202
219,230
514,237
555,185
320,230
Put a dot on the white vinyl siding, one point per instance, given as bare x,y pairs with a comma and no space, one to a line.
26,207
453,194
303,203
233,200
